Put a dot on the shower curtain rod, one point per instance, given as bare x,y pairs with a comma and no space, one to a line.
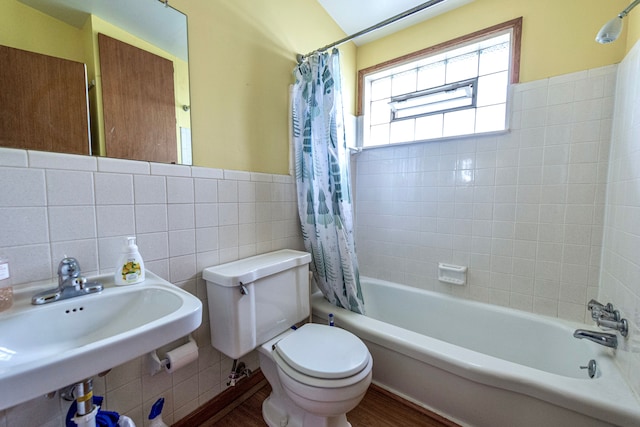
377,26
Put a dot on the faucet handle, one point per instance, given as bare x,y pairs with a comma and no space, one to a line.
595,305
68,267
606,315
601,311
621,325
79,283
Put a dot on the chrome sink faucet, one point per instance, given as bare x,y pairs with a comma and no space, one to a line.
70,284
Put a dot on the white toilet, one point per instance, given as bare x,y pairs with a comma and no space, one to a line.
317,372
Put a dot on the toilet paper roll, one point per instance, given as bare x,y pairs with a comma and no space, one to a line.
181,356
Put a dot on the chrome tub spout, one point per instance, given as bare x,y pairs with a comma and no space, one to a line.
602,338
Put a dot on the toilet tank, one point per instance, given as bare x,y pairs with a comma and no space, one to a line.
254,299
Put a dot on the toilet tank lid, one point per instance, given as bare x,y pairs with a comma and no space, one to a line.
250,269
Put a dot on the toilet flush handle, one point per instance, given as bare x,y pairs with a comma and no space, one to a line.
243,289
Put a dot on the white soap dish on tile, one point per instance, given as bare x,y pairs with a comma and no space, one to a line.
454,274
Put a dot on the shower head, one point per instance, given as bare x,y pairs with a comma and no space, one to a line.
612,29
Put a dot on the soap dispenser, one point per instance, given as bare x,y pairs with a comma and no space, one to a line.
6,291
130,268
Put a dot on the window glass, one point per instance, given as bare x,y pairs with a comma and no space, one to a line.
492,89
429,127
379,134
401,131
494,59
403,82
490,119
459,123
462,67
431,75
380,112
381,88
456,90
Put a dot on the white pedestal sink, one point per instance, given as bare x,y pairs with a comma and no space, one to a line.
46,347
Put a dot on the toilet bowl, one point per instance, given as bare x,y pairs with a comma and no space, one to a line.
317,374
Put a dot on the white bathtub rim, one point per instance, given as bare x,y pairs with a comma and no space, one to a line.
580,395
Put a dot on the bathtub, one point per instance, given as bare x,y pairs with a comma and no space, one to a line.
484,365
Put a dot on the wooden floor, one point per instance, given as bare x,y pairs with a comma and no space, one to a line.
378,409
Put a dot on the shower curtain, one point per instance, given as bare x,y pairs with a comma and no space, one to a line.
322,178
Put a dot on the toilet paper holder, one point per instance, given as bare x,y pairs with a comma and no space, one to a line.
155,364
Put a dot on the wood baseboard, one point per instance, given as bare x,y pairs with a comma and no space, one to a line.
207,414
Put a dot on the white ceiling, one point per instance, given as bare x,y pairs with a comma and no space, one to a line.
148,20
355,15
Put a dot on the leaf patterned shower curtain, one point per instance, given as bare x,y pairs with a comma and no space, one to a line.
322,178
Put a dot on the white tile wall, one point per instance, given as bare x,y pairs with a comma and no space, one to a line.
619,282
523,210
185,219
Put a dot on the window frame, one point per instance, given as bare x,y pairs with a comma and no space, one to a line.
515,26
473,82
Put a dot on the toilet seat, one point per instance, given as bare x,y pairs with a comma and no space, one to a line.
323,356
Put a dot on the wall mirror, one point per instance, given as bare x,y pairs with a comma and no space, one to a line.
125,119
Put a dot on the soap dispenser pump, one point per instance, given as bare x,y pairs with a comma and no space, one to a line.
130,268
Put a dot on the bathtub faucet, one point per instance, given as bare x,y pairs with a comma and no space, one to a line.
602,338
606,316
602,311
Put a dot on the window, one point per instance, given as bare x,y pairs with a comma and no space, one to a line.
457,88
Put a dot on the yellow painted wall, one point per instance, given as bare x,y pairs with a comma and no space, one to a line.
557,36
242,52
241,58
23,27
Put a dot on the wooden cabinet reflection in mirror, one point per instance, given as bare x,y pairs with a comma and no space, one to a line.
38,92
139,103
